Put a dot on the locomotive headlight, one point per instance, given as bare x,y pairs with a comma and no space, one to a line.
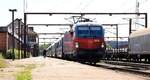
77,45
102,45
96,41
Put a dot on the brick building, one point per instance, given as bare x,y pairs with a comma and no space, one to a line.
6,38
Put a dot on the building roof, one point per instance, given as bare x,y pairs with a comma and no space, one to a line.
3,29
8,29
31,31
140,32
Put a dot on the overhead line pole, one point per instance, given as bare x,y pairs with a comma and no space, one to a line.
130,26
73,13
146,20
50,33
19,36
116,37
13,29
25,35
49,24
70,13
48,38
68,24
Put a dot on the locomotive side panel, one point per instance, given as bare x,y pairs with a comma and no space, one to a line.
67,45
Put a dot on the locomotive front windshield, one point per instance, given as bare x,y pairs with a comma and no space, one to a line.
89,31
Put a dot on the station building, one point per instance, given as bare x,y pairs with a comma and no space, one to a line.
6,38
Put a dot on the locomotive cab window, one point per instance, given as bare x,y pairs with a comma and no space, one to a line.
89,31
96,31
95,28
83,31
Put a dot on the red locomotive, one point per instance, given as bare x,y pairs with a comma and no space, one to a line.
89,44
84,43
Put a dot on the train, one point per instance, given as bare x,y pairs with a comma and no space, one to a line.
84,43
137,50
139,45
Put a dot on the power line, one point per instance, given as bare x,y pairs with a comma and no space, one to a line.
80,3
144,1
25,4
86,5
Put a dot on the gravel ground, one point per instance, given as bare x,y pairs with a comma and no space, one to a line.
57,69
16,66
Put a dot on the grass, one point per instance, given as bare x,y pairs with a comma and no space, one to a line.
26,73
3,63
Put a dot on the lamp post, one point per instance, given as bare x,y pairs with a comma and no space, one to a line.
13,39
19,36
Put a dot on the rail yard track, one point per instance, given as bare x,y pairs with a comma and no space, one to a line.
131,67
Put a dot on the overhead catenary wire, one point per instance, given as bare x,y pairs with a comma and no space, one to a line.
88,3
81,3
133,6
25,5
136,7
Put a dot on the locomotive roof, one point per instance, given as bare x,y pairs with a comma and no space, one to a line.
140,32
87,23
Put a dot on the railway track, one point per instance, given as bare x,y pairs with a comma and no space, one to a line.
135,68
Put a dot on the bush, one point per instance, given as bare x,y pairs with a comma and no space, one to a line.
10,55
26,73
2,62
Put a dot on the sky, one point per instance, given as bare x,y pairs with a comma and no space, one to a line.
71,6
